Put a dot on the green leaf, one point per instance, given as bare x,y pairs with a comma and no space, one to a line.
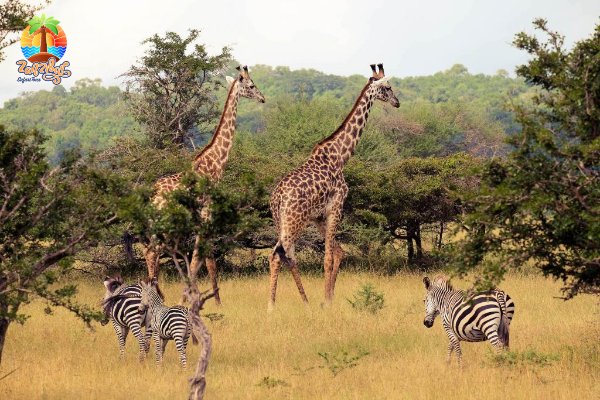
53,28
34,20
52,20
34,28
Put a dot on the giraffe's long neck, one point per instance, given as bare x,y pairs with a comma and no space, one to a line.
339,146
211,161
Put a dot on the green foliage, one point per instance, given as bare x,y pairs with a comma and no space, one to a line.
525,358
87,117
367,299
46,216
341,360
271,383
542,203
170,92
38,21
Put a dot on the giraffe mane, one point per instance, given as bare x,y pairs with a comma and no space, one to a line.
330,137
212,140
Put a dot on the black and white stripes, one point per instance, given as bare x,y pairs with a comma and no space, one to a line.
121,305
482,316
167,323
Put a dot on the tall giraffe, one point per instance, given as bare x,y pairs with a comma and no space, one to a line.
210,163
315,192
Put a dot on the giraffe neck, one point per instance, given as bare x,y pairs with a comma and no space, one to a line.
212,159
339,146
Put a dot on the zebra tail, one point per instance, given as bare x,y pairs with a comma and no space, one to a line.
195,340
504,326
281,253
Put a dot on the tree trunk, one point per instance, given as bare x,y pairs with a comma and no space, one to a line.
43,45
441,236
417,231
4,322
409,244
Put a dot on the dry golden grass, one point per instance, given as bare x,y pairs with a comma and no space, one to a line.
58,358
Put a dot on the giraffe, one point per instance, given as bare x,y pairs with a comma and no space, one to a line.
210,163
315,192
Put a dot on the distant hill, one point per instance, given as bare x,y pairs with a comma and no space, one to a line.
91,115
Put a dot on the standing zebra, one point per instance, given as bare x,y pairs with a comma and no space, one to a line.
121,306
484,315
167,323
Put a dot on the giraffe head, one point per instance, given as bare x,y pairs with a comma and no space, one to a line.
246,85
383,90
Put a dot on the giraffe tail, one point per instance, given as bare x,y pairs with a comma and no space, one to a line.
280,251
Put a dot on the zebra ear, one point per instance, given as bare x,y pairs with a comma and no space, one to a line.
427,282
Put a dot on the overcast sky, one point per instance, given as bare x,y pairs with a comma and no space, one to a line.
335,36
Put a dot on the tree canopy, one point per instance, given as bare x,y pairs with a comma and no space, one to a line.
541,204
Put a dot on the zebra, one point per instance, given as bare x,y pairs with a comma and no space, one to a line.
167,323
121,307
484,315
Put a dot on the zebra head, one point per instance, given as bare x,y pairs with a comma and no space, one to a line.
431,304
151,295
111,284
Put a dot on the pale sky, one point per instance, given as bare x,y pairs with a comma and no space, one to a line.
339,37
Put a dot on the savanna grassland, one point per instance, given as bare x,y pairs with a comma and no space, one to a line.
256,355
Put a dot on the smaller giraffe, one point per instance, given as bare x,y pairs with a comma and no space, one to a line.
315,192
210,162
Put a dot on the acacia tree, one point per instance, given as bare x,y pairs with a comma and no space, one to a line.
14,15
231,216
408,194
170,91
46,216
542,203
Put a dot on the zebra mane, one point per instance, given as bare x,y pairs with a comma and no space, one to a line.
442,281
117,295
153,282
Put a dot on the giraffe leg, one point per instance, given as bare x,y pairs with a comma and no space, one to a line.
290,252
211,266
152,256
330,228
274,267
338,255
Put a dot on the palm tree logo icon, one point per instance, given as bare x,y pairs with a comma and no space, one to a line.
43,39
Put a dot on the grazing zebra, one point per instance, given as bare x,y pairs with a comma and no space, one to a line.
167,323
121,305
484,315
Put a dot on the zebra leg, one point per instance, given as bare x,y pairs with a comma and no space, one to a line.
458,352
180,344
137,332
450,350
147,339
157,347
491,335
122,337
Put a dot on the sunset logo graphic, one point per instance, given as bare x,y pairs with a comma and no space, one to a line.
43,43
43,39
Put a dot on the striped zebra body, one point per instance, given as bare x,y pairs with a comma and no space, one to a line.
167,323
483,316
121,305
